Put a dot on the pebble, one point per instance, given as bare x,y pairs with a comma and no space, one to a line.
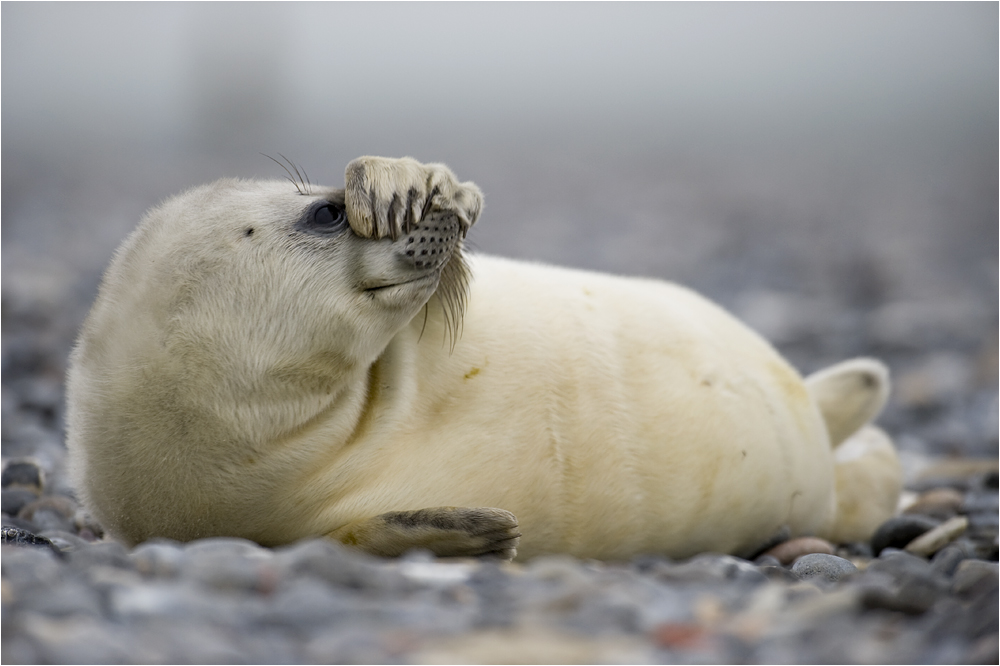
159,558
823,566
22,474
937,538
914,586
15,499
50,512
104,553
789,551
901,530
946,560
938,503
16,536
973,574
713,567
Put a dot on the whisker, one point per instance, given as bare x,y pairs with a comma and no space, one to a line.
290,175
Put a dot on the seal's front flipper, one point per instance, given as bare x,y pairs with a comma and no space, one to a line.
445,531
388,197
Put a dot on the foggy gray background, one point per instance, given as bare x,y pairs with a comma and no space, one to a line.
841,154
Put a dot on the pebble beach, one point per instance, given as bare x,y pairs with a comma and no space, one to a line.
827,172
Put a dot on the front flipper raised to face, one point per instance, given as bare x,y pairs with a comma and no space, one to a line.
388,197
445,531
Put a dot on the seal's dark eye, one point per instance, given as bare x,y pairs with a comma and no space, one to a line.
326,218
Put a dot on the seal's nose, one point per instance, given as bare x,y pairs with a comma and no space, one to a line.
430,244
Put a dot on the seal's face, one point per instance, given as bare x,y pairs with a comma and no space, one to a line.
246,290
288,270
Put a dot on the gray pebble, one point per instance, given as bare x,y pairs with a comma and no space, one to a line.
224,572
65,541
158,558
18,536
68,596
31,567
915,585
946,560
304,604
973,574
898,562
101,553
338,565
15,499
51,512
22,474
899,531
226,547
713,567
823,566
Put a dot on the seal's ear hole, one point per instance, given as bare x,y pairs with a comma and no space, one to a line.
248,232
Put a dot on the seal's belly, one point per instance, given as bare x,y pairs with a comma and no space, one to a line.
611,416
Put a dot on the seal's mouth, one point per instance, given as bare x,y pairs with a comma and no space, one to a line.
390,285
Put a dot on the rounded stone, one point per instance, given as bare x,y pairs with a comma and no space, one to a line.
16,536
713,567
336,564
227,547
937,503
51,512
15,499
899,531
22,474
946,560
159,558
789,551
973,574
100,553
937,538
823,566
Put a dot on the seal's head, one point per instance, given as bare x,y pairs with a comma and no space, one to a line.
238,310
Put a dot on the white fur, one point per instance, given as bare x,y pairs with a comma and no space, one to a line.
227,384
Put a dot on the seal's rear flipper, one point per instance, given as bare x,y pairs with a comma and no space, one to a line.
445,531
868,479
849,395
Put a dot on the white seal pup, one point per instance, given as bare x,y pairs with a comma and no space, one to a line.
277,362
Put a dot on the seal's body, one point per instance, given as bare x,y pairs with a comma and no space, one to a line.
275,365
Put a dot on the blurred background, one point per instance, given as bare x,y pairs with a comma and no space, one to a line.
827,171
